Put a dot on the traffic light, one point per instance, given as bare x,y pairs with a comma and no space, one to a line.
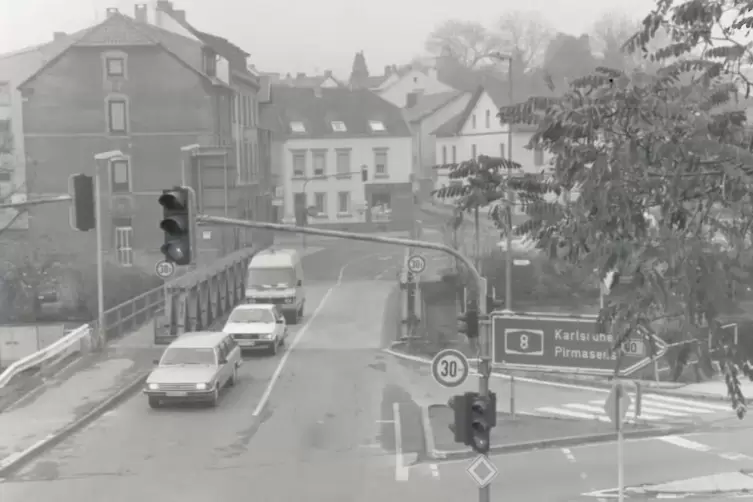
178,222
83,214
483,416
468,322
460,425
364,174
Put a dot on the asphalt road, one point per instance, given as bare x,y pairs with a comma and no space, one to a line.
328,419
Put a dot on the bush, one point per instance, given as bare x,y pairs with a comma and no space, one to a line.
120,285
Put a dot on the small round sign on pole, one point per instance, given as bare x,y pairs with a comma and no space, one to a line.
164,269
416,264
450,368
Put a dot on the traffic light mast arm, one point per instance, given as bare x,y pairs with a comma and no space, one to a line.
38,202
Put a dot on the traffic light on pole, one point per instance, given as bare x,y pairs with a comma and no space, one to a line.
483,417
468,323
178,223
460,425
83,214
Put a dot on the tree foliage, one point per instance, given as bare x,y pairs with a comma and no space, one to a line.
663,167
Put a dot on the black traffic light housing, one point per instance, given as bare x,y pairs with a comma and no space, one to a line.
460,425
468,322
178,223
83,216
483,417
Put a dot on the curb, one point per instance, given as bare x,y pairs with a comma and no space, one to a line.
556,381
18,459
562,442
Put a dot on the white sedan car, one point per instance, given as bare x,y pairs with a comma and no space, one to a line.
257,326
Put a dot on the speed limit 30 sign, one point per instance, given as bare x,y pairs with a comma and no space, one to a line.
450,368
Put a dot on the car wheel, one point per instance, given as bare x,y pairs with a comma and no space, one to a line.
300,311
154,402
273,348
233,379
215,397
294,318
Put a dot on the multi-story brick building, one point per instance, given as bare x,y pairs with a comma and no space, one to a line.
146,85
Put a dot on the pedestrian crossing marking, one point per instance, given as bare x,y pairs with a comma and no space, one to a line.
653,408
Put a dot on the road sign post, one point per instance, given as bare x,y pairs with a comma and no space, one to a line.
616,406
450,368
566,343
416,264
164,269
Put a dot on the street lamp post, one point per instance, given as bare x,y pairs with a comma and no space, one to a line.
101,160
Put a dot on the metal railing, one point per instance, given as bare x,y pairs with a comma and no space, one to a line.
120,319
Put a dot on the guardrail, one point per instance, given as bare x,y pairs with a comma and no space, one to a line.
121,319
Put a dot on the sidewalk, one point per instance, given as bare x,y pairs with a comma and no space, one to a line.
70,400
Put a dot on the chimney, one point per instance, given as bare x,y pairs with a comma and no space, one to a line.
179,15
411,99
59,35
164,6
140,13
327,73
110,12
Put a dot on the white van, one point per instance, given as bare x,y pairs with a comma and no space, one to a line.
275,276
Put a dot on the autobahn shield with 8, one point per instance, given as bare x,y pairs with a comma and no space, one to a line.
450,368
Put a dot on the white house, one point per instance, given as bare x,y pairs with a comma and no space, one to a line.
476,130
323,142
396,88
425,113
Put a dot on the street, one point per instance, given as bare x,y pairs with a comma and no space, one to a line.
334,418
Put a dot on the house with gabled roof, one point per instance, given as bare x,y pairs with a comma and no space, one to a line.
131,84
344,158
476,130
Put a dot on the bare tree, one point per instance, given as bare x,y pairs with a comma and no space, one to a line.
468,42
525,35
608,35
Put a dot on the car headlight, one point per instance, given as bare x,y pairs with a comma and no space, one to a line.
269,336
201,386
290,300
153,386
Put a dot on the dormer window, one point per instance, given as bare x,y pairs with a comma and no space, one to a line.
376,125
338,126
210,63
297,127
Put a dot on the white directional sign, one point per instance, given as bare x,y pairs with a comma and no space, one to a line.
164,269
482,471
450,368
416,264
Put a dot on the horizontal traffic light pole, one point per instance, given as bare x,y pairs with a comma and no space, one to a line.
37,202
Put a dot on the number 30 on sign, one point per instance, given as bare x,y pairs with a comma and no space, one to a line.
450,368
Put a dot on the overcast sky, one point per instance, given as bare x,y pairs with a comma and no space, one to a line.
308,35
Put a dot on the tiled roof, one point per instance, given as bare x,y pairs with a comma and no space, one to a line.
453,126
354,107
119,29
430,103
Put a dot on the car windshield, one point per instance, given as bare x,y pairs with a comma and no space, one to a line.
251,315
187,355
260,277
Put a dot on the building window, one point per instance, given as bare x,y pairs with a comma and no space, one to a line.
320,203
338,126
210,63
123,246
233,104
502,152
115,67
488,119
454,154
343,162
320,163
343,202
444,155
120,176
376,126
299,201
299,164
251,162
117,116
538,157
297,127
380,162
473,152
473,121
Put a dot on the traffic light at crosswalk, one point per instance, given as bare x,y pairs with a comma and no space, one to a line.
178,224
468,322
474,416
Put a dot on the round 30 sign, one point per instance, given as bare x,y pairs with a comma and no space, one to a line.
450,368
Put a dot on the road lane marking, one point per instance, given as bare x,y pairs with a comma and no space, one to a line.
684,443
299,335
568,454
402,473
435,470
